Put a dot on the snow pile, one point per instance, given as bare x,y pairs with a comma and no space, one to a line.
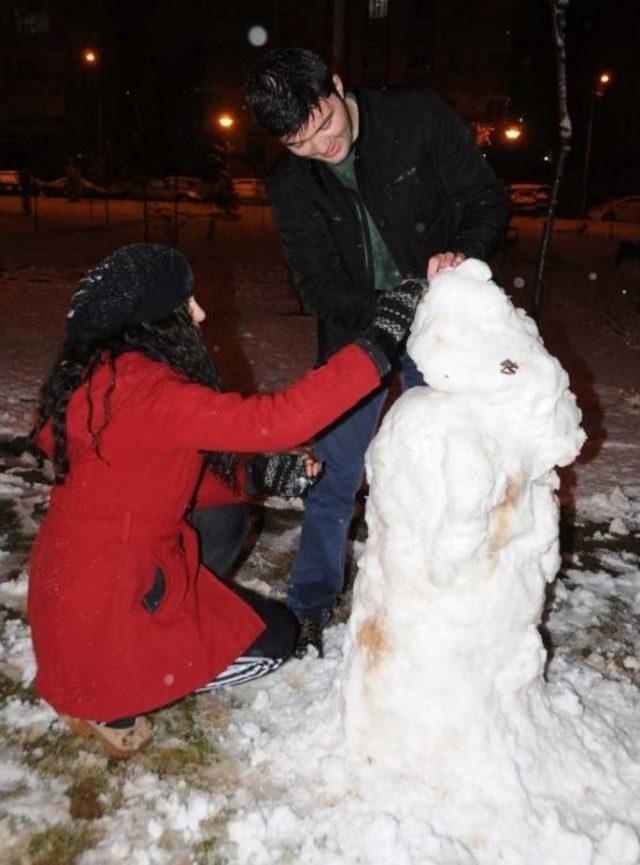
456,750
621,505
444,656
16,653
444,663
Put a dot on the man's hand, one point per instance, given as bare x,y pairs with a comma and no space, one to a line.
444,259
382,339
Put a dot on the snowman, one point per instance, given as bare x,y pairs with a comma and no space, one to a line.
443,659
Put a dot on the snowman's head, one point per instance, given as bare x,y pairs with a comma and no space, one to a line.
467,338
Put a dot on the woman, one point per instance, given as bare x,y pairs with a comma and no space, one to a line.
124,617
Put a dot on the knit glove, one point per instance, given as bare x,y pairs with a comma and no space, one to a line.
382,338
280,474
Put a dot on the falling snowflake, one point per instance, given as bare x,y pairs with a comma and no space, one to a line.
257,36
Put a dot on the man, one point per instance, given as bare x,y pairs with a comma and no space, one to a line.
377,185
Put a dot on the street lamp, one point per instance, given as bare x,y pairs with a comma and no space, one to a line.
90,58
226,121
600,85
513,132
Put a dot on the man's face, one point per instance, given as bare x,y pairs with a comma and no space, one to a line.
328,133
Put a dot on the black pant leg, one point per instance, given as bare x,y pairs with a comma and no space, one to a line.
279,636
268,652
222,530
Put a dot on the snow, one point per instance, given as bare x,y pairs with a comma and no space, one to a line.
620,502
278,787
444,663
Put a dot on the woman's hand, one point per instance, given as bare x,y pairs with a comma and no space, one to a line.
312,467
284,474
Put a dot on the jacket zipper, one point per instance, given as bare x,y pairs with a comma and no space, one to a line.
352,195
364,233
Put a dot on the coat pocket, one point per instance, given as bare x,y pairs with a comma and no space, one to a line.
417,193
165,596
152,600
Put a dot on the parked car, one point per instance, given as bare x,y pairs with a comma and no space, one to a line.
626,209
9,182
529,199
250,190
159,188
188,188
60,186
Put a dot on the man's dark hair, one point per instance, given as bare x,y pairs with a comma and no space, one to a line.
283,88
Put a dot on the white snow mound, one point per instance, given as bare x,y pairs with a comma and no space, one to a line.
444,663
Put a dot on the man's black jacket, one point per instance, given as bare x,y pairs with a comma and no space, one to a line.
426,186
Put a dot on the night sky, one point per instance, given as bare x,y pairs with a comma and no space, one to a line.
166,67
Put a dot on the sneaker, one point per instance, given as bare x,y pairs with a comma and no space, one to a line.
310,635
116,742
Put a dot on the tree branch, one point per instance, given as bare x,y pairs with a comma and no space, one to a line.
558,20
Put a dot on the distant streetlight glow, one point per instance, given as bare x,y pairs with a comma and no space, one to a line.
89,56
226,121
512,133
600,84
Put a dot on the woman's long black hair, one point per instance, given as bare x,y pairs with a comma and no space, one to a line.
174,340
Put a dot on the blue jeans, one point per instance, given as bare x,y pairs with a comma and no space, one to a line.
317,575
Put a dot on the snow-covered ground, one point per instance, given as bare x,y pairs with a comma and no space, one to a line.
249,776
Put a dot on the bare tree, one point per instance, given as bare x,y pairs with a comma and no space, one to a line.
559,21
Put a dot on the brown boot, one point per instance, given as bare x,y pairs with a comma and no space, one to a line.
115,742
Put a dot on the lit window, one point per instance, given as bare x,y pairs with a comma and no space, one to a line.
30,23
378,8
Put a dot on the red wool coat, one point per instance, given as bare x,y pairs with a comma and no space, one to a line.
100,654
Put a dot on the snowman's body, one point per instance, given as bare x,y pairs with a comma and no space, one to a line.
444,661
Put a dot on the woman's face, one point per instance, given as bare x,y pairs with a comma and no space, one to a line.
198,314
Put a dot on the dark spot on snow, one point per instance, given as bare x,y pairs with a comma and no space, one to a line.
508,367
60,844
10,690
372,639
501,514
86,797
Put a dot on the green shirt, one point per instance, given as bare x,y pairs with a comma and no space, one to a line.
385,270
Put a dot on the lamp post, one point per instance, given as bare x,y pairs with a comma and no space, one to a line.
513,132
600,85
226,121
91,60
225,193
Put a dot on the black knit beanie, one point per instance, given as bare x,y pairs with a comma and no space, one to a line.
138,282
